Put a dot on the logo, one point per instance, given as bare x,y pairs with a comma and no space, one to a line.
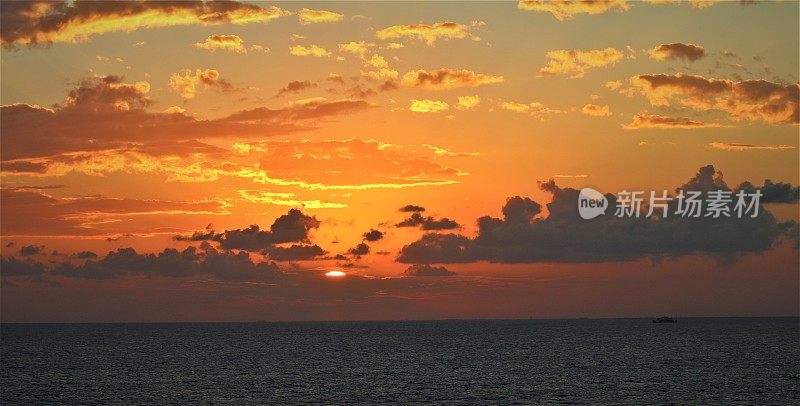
591,203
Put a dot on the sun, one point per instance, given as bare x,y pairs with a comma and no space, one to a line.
335,274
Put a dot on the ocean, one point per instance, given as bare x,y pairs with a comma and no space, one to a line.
619,361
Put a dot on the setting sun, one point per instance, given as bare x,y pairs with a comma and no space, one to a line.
335,274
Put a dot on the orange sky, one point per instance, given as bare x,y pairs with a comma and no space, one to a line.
140,141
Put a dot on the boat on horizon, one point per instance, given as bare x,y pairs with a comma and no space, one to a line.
665,319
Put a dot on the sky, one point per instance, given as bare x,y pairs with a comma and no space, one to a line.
206,161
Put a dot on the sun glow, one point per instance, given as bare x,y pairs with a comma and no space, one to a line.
335,274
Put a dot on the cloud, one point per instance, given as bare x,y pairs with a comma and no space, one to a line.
447,79
223,265
291,227
30,250
373,235
311,50
15,267
687,52
29,212
427,270
41,23
411,208
535,109
751,100
773,192
567,9
729,146
468,102
85,255
429,33
612,84
428,223
523,236
287,199
296,86
294,252
231,43
186,84
595,110
359,250
359,49
577,62
309,16
428,106
114,112
644,120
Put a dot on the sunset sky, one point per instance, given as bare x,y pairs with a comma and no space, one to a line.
142,143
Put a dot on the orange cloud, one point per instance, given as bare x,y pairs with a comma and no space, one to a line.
727,146
576,62
312,50
428,106
774,103
595,110
567,9
644,120
688,52
35,23
429,33
447,79
308,16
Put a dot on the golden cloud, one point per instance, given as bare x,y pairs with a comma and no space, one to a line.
727,146
313,50
286,199
577,62
468,102
35,23
688,52
429,33
232,43
567,9
186,83
596,110
428,106
447,79
644,120
535,109
308,16
774,103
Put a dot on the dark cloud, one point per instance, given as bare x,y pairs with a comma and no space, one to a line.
223,265
773,192
564,237
359,250
296,87
410,208
15,267
291,227
29,250
428,223
294,253
85,255
427,270
373,235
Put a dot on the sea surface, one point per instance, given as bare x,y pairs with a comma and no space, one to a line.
619,361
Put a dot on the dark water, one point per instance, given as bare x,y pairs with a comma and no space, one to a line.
696,361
